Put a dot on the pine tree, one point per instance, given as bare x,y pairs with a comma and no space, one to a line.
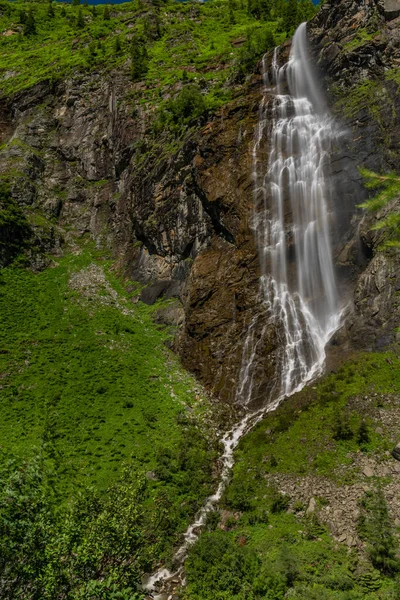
50,10
290,18
76,2
30,23
94,11
117,45
80,21
139,59
22,16
106,13
382,543
63,12
265,10
306,10
362,434
230,12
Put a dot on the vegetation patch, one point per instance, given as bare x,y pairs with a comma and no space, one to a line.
91,401
289,550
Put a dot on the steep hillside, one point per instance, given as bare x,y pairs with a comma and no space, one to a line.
127,243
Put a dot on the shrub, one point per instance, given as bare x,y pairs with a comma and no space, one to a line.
341,427
382,543
14,228
219,567
259,40
363,434
189,105
280,502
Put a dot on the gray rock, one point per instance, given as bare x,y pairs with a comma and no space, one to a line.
312,505
368,471
396,452
392,8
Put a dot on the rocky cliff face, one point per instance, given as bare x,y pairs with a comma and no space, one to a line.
177,214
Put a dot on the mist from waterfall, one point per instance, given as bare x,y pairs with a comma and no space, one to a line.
292,226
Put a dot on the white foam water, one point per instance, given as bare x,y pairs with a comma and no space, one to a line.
297,284
292,226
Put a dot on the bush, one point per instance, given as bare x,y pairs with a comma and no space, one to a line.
362,434
14,228
382,543
259,41
341,427
188,106
280,502
219,567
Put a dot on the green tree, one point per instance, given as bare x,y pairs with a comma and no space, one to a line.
30,23
80,21
94,11
341,427
117,45
231,12
362,434
291,16
382,545
22,16
15,231
50,10
139,58
63,12
106,13
306,11
76,2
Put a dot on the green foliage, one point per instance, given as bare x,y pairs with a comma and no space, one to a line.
80,21
15,231
91,384
179,38
139,58
298,558
362,434
376,528
280,502
94,546
219,567
188,106
258,41
389,186
50,10
341,428
291,18
30,23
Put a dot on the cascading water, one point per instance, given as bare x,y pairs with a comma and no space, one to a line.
297,284
291,223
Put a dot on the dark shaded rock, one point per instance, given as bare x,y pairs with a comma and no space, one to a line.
153,292
396,452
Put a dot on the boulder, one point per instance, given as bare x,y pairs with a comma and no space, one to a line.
392,9
312,505
396,452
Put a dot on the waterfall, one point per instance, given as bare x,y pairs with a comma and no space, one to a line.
292,226
297,284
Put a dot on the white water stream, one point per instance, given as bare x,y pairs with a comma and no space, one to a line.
291,221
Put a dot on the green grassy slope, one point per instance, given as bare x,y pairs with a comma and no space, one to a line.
312,446
91,400
87,371
190,40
